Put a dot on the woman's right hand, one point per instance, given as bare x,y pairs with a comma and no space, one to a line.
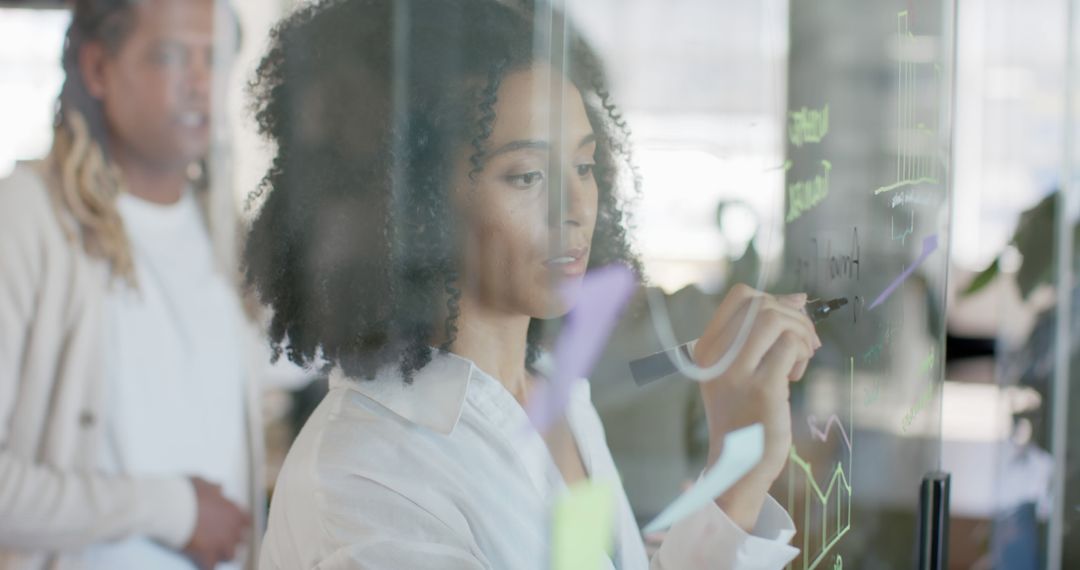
755,387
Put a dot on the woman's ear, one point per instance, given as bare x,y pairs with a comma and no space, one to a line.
92,60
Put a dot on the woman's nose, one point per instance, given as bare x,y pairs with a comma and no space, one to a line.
569,203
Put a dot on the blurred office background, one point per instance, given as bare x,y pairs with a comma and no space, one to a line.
709,137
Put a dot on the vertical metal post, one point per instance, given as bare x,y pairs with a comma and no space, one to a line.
1062,339
934,521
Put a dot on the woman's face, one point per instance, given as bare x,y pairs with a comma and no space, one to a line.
518,259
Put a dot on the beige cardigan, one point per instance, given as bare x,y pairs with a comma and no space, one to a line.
53,502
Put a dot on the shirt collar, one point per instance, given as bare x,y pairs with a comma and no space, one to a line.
435,398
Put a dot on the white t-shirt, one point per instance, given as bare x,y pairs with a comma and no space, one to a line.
174,368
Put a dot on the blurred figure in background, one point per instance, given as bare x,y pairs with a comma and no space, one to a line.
128,434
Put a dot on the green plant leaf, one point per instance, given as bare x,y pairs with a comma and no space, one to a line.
983,278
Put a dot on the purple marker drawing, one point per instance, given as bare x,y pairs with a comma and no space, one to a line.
929,244
823,434
596,308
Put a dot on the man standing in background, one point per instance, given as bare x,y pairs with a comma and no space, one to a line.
129,436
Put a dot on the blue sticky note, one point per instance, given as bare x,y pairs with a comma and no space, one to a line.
743,449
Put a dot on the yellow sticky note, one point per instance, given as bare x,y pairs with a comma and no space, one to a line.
583,526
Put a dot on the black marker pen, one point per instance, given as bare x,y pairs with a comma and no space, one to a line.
818,309
662,364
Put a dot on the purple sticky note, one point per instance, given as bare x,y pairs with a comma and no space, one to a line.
596,308
929,245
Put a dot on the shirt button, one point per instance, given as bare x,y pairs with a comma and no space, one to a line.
86,419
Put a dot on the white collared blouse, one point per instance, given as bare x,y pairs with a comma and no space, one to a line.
448,473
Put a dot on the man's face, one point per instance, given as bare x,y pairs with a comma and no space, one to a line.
155,89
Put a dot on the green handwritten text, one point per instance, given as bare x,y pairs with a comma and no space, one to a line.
924,399
808,125
806,194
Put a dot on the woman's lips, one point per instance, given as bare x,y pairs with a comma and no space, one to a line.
572,262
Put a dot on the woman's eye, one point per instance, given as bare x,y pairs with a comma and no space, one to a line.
584,170
526,180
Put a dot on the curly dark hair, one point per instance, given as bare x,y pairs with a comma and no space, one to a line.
368,103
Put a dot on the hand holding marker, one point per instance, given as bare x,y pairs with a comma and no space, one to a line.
743,450
662,364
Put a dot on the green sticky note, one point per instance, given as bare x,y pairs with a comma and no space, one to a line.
583,525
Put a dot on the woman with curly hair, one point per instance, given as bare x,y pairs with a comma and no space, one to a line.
405,240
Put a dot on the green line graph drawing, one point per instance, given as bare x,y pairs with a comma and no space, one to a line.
830,534
834,500
904,232
915,141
